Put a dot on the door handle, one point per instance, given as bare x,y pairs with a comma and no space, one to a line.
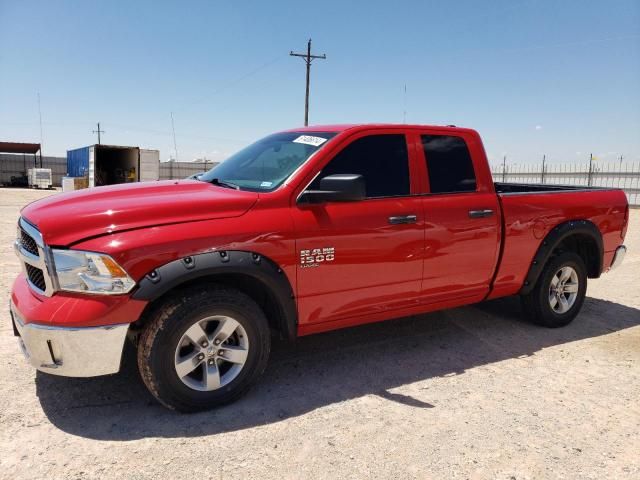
402,219
480,213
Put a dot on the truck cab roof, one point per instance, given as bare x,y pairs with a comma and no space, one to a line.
342,127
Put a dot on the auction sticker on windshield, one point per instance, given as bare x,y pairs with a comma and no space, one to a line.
310,140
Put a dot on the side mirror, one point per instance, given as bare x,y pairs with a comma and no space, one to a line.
342,187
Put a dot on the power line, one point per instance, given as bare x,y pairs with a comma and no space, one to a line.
164,133
233,82
308,58
98,131
577,43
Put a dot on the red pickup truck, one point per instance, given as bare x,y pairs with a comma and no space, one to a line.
304,231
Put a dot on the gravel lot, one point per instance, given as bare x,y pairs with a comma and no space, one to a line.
466,393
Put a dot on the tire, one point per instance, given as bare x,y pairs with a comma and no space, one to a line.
183,333
539,305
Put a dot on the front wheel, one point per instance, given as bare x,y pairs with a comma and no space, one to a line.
559,292
203,347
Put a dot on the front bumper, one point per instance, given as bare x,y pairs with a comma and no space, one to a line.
71,351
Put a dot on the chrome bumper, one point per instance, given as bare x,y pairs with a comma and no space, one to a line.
71,352
618,257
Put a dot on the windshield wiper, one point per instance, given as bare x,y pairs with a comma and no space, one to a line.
222,183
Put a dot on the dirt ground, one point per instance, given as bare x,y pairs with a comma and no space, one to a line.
472,392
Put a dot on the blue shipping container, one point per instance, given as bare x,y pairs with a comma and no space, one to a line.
78,162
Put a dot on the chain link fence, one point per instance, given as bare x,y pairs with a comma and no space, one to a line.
624,175
173,170
13,168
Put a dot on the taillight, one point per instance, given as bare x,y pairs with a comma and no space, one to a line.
625,222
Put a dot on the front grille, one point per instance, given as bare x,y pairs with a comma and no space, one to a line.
28,246
28,243
36,277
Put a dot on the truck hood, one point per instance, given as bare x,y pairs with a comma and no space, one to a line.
68,218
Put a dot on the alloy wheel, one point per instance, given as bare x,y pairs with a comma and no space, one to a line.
211,353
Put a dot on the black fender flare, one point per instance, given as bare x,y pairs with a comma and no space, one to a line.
552,240
171,275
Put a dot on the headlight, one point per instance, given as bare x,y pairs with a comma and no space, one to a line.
90,272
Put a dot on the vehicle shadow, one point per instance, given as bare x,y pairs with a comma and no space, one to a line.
324,369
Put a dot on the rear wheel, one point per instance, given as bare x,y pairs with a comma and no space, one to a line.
559,292
203,347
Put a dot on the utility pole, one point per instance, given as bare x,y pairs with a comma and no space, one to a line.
98,131
544,158
175,146
308,58
590,169
40,116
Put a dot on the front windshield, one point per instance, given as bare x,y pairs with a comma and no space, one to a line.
263,166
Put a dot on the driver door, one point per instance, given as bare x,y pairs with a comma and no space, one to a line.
363,257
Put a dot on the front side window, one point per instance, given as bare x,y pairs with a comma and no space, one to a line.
449,164
264,165
381,159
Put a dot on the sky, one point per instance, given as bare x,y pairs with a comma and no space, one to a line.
557,78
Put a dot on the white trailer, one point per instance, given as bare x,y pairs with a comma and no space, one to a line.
40,178
149,165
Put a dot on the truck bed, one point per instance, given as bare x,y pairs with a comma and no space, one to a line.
530,211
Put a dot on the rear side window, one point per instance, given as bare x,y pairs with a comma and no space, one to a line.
381,159
449,164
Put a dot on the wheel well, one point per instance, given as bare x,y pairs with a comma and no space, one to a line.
250,286
579,236
585,246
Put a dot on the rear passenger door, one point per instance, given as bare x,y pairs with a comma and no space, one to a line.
356,259
461,220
